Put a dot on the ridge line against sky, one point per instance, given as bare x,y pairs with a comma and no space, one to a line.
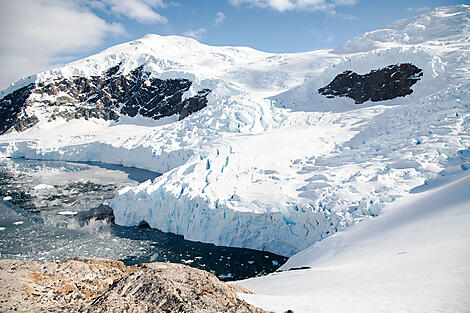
40,34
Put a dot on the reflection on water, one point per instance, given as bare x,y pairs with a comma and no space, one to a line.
54,211
133,173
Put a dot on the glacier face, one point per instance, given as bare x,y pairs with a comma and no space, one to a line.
270,163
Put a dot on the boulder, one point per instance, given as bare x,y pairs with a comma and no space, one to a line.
102,285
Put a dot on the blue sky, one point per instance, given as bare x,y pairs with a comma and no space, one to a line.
268,29
40,34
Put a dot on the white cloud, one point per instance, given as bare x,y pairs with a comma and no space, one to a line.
349,17
294,5
142,11
196,33
35,34
341,15
219,18
175,4
422,9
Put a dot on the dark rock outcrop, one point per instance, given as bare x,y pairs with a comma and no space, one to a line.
383,84
11,110
105,97
100,285
194,104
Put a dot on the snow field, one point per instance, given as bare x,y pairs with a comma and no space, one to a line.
413,258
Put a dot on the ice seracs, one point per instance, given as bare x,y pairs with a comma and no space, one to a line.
270,163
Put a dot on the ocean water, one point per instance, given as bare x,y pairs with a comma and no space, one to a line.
54,210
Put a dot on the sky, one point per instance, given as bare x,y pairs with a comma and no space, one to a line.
37,35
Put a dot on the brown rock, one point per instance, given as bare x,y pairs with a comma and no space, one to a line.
101,285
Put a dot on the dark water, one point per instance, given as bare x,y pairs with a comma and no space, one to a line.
49,214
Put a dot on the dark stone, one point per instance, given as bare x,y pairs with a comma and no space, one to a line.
144,225
299,268
113,70
384,84
104,97
194,104
295,269
12,114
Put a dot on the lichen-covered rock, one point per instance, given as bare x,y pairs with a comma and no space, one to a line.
383,84
101,285
27,286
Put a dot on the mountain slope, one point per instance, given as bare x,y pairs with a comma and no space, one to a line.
270,163
413,258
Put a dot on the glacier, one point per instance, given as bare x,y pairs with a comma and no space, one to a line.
270,163
413,258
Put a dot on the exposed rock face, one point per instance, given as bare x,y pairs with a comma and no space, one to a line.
384,84
106,97
100,285
11,108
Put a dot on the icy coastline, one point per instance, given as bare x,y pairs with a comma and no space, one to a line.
276,166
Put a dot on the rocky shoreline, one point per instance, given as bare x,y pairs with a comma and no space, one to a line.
102,285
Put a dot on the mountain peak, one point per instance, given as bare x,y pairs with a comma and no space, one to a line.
167,41
441,24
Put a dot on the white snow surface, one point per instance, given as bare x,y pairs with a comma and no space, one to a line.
269,163
412,258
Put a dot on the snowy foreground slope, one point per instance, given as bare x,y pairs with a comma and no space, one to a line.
270,163
413,258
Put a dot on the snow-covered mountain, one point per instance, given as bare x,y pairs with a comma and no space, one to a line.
275,151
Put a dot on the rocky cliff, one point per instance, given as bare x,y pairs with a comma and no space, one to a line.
101,285
105,97
383,84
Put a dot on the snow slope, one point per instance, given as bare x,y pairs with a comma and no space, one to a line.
269,163
413,258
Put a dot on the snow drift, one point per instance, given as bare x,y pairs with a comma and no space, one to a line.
413,258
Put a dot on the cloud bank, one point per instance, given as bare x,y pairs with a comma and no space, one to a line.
143,11
35,34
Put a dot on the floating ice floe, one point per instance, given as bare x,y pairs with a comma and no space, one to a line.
225,276
187,261
43,187
67,213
